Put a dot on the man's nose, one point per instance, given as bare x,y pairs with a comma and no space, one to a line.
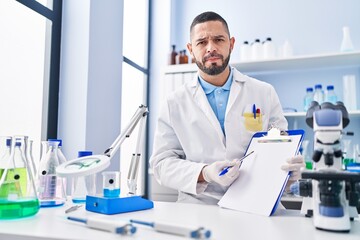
211,47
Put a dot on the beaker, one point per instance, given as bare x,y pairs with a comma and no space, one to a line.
50,187
17,189
111,184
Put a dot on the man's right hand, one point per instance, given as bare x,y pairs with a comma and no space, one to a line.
211,172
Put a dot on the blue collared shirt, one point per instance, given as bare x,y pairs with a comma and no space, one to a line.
218,97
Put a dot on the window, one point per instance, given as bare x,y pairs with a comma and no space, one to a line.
134,79
29,65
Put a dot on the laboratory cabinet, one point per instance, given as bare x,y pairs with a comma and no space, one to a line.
290,78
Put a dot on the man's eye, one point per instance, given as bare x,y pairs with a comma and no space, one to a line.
200,43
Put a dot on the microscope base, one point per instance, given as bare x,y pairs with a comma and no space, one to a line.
117,205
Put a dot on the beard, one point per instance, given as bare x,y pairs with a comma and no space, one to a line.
213,69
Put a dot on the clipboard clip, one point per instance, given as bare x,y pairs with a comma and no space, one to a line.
275,135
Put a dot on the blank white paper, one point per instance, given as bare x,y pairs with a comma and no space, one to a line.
261,179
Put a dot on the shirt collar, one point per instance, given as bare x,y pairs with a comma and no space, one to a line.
209,88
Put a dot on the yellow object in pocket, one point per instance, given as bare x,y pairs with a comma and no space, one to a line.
251,123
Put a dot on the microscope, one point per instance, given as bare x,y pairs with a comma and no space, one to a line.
330,194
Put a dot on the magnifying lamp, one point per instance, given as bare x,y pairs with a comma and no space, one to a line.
88,165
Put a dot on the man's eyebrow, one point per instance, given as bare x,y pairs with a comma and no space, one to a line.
211,37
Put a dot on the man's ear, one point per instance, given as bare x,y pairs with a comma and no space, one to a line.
189,47
232,43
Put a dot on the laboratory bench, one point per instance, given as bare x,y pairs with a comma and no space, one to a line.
51,223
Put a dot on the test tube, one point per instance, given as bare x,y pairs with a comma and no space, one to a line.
111,184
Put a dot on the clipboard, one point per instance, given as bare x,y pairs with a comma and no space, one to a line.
261,183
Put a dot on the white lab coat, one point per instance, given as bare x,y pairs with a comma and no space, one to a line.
188,135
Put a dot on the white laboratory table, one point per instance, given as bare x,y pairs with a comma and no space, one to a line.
51,223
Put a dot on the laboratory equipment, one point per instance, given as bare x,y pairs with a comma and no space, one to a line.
349,92
330,95
17,189
111,184
73,208
51,187
186,231
269,49
245,51
330,194
256,50
287,49
172,55
348,153
83,185
319,94
118,227
346,43
309,97
84,166
305,153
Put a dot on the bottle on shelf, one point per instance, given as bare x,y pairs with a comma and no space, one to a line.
179,57
287,49
330,95
172,57
309,97
184,59
245,51
318,94
346,44
269,49
256,50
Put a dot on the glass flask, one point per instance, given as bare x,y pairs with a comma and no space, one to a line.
50,187
17,189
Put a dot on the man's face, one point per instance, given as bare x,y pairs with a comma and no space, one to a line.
211,47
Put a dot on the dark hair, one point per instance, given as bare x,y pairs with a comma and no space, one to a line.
206,17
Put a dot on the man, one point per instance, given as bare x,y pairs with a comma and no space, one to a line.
208,123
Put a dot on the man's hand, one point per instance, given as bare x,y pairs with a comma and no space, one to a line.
211,172
294,166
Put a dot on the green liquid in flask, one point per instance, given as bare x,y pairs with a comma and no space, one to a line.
18,208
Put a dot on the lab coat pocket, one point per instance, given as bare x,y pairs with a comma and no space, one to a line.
253,124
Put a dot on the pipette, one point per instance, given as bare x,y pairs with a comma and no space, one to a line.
123,228
196,233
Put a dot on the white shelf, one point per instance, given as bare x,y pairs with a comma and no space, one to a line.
355,113
332,60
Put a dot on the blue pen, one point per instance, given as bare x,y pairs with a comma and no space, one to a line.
254,110
225,170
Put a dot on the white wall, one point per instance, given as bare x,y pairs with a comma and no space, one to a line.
90,76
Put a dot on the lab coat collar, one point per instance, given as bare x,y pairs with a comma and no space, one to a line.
238,81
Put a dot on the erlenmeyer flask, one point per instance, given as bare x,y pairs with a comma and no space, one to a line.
17,190
50,187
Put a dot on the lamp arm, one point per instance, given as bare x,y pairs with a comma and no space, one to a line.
139,114
135,160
